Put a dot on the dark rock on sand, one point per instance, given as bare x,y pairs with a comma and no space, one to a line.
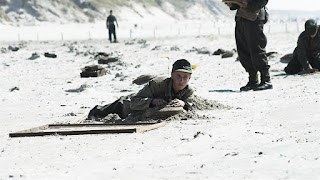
50,55
286,58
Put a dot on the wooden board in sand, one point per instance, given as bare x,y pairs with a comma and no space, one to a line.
163,112
81,129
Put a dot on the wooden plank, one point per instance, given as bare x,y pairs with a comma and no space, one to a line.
106,60
93,125
41,131
34,129
106,131
97,73
83,117
150,127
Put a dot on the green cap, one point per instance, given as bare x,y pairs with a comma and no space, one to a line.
182,65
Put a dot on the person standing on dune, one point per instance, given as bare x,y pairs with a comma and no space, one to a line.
111,20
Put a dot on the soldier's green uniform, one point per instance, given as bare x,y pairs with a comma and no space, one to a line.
158,88
306,54
251,43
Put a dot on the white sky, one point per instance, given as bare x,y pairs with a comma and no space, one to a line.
307,5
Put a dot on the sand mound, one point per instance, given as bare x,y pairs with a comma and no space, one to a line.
199,103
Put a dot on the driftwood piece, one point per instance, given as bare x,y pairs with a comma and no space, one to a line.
163,112
143,79
50,55
92,68
13,48
81,129
83,117
286,58
34,56
227,54
271,53
97,73
219,52
106,60
93,71
102,54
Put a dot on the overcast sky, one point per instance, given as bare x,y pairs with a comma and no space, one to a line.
307,5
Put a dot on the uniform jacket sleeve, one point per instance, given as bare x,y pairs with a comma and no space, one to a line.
301,51
187,98
254,5
143,98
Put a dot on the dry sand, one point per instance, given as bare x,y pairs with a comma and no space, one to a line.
270,134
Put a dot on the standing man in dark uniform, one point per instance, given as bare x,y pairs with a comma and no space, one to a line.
112,28
306,56
251,42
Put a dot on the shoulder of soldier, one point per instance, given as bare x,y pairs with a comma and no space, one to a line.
190,89
160,79
303,36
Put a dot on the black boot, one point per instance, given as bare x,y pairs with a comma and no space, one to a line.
253,82
265,81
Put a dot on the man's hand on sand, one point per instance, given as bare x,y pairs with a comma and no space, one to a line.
176,103
158,102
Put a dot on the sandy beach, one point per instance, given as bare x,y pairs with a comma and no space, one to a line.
269,134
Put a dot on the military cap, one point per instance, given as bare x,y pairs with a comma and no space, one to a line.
311,26
182,65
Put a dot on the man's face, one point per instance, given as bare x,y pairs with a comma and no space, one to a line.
180,80
315,34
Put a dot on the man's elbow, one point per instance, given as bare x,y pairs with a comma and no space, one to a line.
138,105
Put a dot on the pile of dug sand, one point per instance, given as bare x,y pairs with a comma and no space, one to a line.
198,104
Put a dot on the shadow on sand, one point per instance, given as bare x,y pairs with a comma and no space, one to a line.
281,74
225,91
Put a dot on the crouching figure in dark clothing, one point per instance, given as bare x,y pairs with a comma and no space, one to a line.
306,56
173,91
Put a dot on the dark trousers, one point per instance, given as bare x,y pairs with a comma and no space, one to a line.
112,30
121,107
251,43
294,66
